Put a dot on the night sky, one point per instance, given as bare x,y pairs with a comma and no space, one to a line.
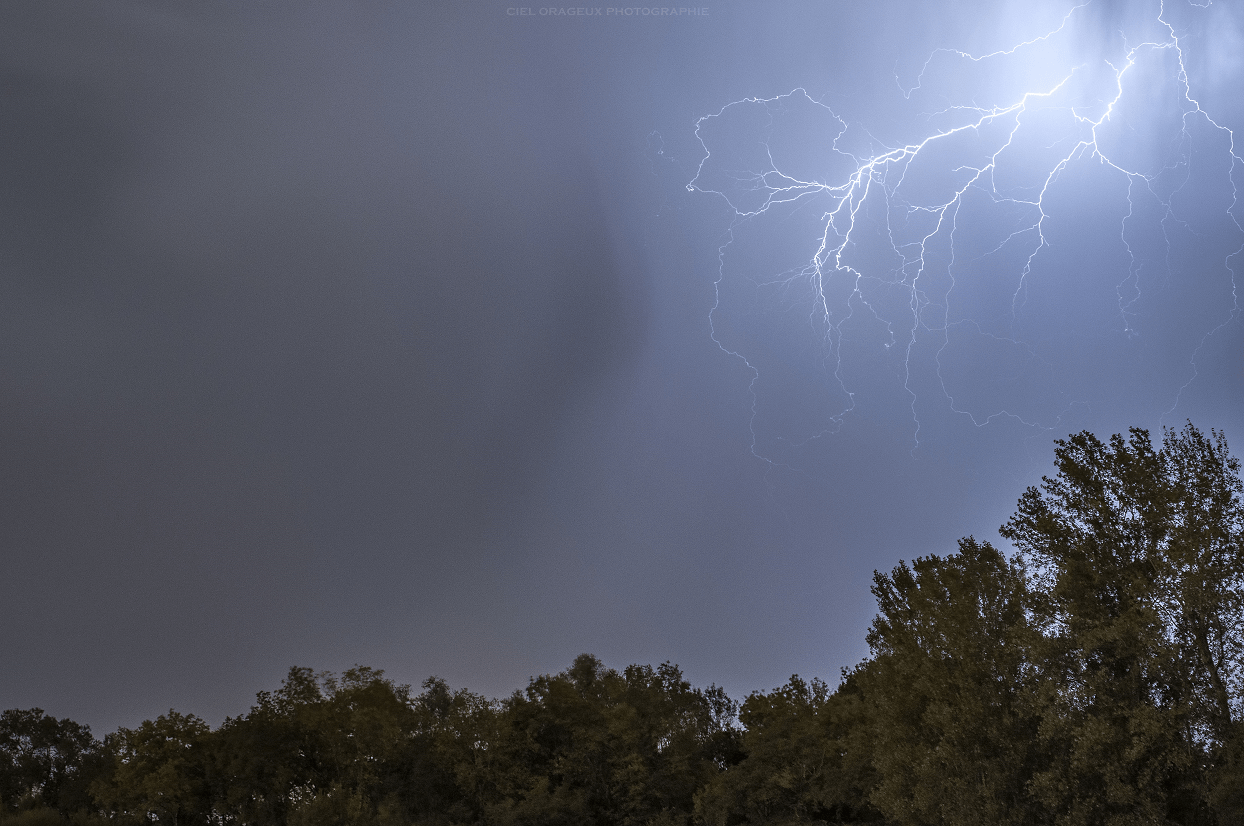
450,340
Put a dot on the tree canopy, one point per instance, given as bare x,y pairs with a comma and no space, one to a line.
1094,675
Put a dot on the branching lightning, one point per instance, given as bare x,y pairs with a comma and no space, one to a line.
935,257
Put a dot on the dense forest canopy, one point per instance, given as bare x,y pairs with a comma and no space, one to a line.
1095,676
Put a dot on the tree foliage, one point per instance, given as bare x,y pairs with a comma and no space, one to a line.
595,746
1094,676
158,772
44,762
1137,554
802,757
950,690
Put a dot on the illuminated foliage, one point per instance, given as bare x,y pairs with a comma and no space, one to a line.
1137,555
949,690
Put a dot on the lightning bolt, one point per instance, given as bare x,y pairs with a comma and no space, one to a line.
923,265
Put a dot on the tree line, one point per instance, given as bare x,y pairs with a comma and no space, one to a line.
1094,677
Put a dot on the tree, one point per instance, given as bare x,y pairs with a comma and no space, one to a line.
1202,574
453,759
594,746
1137,555
802,758
322,749
158,772
260,761
948,691
44,762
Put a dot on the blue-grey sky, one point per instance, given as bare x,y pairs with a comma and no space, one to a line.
442,338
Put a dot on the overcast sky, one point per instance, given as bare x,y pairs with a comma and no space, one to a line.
453,340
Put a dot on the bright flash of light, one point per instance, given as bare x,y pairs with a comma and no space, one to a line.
1064,195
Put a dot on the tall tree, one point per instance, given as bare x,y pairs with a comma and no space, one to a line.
949,690
1137,556
1202,573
